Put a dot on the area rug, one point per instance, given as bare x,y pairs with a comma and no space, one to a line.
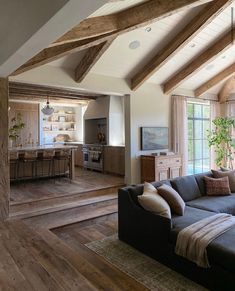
143,269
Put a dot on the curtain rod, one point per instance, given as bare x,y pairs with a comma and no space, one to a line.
190,97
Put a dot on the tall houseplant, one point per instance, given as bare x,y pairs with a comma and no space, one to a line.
15,127
220,137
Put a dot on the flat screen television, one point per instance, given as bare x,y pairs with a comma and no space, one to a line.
154,138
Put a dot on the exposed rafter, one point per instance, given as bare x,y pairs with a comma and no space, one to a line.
129,19
199,62
90,59
94,31
21,90
200,21
228,88
53,53
229,71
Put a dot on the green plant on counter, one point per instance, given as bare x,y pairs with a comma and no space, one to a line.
16,126
221,138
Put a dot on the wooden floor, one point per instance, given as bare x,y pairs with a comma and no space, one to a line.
85,180
42,260
42,243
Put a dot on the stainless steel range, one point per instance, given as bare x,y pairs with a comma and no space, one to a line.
93,156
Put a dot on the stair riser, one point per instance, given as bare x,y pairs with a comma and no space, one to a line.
24,210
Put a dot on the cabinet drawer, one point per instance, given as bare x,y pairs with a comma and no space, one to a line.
162,162
175,162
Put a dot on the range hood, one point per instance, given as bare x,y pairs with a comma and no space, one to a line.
108,111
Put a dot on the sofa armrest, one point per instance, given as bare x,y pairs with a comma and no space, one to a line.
139,227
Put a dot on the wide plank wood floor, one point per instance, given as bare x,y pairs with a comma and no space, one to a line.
43,260
85,180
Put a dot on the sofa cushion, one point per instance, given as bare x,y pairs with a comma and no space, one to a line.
217,186
173,198
191,215
151,201
201,181
217,204
136,190
187,187
229,174
221,251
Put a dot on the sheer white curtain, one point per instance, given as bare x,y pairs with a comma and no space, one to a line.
180,129
215,112
229,109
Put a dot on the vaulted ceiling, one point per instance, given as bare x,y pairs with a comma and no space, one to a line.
175,44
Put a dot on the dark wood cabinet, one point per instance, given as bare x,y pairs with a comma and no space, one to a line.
114,160
157,168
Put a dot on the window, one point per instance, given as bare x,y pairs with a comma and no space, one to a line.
198,149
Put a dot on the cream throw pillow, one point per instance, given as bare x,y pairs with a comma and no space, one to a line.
151,201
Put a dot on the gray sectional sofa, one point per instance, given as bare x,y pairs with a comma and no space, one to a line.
156,236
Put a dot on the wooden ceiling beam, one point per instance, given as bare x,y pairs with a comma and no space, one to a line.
229,71
21,89
96,30
53,53
199,62
90,59
228,88
127,20
197,24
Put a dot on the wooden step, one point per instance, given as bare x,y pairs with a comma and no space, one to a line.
30,209
72,215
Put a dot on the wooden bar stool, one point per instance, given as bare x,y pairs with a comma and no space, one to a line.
48,157
13,157
28,158
62,155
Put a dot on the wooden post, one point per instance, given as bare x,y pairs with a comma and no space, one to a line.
72,165
4,164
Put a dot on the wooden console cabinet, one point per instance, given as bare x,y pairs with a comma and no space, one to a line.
157,168
114,160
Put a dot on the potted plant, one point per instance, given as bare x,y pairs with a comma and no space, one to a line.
220,137
15,127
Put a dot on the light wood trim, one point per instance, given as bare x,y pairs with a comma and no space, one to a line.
199,62
127,20
229,71
4,164
90,59
199,22
227,89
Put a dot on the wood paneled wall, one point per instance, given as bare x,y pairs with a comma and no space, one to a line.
4,166
30,116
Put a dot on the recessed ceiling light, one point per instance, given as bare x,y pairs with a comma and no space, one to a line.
134,45
210,67
192,45
148,29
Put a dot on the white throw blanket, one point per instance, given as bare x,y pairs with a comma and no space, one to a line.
193,240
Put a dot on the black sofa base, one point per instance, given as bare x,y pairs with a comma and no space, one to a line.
152,235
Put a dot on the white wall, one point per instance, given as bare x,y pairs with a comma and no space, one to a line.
116,121
148,106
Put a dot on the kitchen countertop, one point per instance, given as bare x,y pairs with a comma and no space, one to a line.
42,147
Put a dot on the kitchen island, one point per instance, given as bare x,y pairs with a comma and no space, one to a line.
32,162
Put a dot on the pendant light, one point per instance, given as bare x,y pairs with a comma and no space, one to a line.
47,109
